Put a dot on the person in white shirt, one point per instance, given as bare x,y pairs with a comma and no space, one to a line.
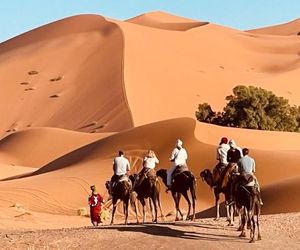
222,151
121,166
150,161
178,158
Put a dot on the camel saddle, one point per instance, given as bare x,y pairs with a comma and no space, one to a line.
179,170
121,179
247,180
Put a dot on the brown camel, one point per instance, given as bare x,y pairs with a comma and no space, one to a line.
182,183
247,199
120,191
220,186
147,186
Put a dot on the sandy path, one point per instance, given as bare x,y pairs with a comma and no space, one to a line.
278,231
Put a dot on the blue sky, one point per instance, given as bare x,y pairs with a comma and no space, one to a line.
19,16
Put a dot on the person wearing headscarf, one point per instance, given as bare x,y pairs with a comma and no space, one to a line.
95,201
234,153
178,158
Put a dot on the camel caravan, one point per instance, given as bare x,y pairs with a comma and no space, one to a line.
233,176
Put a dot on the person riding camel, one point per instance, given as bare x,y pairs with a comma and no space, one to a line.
233,156
178,159
222,159
95,201
234,153
149,163
247,168
121,166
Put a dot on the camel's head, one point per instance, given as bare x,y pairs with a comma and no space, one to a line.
161,173
107,184
204,174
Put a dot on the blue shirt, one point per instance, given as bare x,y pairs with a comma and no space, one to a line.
246,165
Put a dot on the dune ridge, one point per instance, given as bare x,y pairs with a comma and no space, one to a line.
162,20
291,28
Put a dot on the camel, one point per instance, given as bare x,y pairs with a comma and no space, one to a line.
247,200
147,186
121,191
220,187
182,183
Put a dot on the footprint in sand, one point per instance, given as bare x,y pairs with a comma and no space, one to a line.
33,72
55,96
55,79
24,83
30,88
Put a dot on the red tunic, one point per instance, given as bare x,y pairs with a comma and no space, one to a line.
95,207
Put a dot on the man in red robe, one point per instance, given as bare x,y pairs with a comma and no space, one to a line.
95,201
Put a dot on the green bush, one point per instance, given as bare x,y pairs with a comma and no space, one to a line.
254,108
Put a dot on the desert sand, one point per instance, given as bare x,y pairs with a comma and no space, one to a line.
76,91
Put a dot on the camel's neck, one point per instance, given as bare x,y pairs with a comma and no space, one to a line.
164,179
209,180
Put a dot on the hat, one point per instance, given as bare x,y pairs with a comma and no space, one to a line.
179,143
93,188
224,140
232,143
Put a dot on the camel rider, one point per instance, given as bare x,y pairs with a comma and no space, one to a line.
222,158
121,166
178,158
233,156
149,163
247,167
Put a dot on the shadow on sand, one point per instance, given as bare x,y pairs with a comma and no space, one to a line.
168,230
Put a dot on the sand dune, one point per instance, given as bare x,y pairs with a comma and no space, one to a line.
92,163
76,91
86,52
162,20
36,147
286,29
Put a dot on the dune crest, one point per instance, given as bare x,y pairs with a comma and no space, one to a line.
166,21
286,29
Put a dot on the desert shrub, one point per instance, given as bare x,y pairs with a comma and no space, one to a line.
254,108
205,113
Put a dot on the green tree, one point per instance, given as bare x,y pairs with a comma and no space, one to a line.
205,113
255,108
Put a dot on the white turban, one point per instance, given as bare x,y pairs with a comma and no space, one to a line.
179,143
232,143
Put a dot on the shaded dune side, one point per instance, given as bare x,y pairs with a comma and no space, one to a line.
285,29
86,54
92,164
160,20
282,196
35,147
279,197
